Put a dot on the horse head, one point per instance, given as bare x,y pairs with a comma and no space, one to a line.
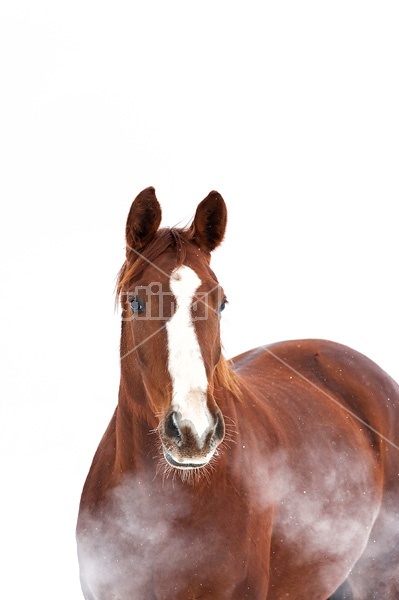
170,345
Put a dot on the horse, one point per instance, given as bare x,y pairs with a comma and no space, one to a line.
272,475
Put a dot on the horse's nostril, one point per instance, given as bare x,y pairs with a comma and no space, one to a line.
172,428
219,429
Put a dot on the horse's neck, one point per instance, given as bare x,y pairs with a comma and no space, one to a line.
135,423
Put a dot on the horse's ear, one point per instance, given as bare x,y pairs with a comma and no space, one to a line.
143,220
209,222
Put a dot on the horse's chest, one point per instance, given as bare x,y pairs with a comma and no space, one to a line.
157,545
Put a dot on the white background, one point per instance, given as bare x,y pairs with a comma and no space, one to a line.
288,108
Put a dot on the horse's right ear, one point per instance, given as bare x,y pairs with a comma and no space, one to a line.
143,220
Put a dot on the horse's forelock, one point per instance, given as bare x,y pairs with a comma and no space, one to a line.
137,261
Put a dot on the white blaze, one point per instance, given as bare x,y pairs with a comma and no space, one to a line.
185,362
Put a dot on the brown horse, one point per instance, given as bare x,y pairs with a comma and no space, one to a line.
274,475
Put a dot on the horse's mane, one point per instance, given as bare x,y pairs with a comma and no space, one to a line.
136,261
225,378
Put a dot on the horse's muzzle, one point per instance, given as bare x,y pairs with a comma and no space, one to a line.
183,448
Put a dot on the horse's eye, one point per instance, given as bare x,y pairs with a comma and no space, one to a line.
223,305
137,305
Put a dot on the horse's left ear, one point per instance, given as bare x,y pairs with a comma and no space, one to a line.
209,222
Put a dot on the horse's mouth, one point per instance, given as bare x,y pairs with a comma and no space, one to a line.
185,465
